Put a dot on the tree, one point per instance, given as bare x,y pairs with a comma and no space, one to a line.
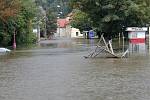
110,16
51,25
50,16
8,8
80,20
52,12
23,22
18,21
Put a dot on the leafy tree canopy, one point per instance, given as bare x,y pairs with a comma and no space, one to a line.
16,17
9,8
80,20
111,15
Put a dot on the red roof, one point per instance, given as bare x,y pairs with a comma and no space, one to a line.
62,23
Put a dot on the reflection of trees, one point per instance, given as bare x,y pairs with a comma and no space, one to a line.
64,45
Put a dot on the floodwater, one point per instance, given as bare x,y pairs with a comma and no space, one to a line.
57,70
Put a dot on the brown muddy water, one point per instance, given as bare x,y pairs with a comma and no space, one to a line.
57,70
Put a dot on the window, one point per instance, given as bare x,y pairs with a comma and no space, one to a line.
77,33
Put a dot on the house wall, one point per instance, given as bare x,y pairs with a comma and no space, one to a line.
61,32
68,31
76,33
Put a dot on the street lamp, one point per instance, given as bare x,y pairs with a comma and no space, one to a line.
58,17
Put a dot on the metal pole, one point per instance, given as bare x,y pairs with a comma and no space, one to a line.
14,42
59,31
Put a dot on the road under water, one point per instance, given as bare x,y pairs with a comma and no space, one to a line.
57,70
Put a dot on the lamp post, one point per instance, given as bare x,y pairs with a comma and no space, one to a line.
58,17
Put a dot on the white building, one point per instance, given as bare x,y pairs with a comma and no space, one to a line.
75,33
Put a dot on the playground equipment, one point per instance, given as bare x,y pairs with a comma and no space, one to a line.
104,47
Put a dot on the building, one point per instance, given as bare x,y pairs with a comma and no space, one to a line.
66,30
137,39
61,30
136,34
75,33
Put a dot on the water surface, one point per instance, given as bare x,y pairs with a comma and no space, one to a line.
57,70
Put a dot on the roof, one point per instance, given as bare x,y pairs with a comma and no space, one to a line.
62,23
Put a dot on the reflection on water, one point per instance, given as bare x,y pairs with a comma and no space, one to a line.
59,44
139,48
57,70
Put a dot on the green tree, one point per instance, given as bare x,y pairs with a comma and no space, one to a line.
52,12
111,15
24,22
8,8
80,20
51,23
20,24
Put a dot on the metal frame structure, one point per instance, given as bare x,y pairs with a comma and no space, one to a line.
106,47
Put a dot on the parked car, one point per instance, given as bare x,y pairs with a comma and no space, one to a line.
4,50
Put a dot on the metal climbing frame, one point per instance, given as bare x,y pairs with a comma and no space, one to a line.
106,47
